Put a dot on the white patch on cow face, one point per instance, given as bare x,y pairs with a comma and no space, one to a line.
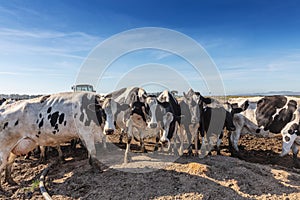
153,106
110,109
167,119
288,141
142,95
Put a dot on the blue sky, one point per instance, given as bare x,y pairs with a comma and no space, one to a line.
254,44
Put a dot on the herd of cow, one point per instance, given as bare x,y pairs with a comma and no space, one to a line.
55,119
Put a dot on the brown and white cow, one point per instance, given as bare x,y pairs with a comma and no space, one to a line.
49,121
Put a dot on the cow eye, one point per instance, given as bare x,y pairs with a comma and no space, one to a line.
193,103
290,131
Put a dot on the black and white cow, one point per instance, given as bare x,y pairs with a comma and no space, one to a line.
147,120
49,121
191,107
125,98
2,100
216,118
171,106
244,126
276,114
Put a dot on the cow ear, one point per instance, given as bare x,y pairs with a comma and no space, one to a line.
245,105
191,91
206,100
186,96
237,110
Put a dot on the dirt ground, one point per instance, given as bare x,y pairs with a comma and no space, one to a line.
258,173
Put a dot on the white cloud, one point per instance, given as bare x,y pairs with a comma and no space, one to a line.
46,42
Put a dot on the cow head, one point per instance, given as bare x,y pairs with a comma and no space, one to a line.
2,100
289,135
192,100
111,109
152,108
138,114
230,110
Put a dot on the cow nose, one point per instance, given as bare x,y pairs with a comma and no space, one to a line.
194,121
153,125
109,131
232,128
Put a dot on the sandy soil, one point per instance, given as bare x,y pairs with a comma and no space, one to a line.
258,173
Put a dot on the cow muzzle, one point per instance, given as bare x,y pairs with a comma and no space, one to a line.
109,131
231,128
153,125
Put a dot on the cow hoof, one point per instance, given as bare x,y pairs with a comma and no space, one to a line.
175,152
11,182
126,161
297,163
234,153
42,161
201,156
144,150
97,167
60,161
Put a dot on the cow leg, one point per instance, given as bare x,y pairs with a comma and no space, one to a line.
175,149
123,132
74,143
233,140
8,168
219,142
42,154
295,150
89,141
189,139
127,156
27,157
196,139
143,148
181,138
60,154
156,143
3,161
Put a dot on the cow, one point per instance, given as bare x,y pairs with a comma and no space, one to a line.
124,98
141,114
149,119
50,120
2,100
191,107
216,117
243,126
172,106
277,114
